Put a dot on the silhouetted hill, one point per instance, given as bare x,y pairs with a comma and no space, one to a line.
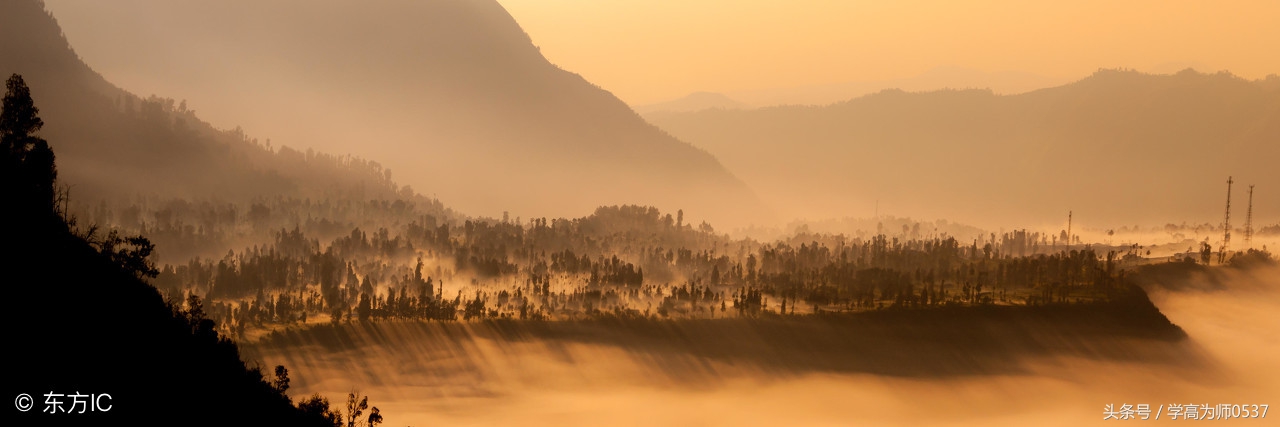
1118,147
943,77
81,324
696,101
114,145
451,94
90,341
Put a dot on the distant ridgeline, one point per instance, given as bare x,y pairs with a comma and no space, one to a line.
91,342
1126,147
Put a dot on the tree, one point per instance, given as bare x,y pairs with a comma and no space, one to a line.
365,308
356,407
28,161
19,119
195,309
317,408
375,417
281,382
131,253
40,170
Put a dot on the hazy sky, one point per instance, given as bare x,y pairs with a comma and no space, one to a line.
653,50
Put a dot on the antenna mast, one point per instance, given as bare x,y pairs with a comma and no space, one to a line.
1248,221
1226,227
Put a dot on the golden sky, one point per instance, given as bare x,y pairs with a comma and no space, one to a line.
653,50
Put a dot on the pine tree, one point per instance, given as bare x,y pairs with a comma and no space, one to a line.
19,118
28,162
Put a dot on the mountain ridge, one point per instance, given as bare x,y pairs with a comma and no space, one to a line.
692,102
116,145
452,95
1114,145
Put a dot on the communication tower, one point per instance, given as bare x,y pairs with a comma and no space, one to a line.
1226,227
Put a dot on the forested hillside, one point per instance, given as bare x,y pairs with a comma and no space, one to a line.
453,95
115,146
91,340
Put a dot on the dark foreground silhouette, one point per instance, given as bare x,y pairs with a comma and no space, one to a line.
89,341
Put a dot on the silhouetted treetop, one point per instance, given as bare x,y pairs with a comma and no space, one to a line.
20,117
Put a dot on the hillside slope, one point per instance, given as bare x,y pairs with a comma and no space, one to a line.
92,342
113,145
451,94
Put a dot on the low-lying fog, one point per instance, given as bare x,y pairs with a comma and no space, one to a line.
451,376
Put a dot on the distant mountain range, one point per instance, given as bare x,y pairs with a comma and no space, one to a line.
1118,147
1005,82
696,101
937,78
452,95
